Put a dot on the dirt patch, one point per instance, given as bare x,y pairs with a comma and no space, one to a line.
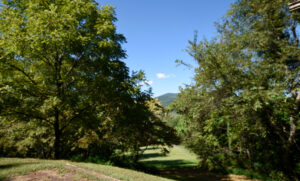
99,175
54,175
232,177
46,175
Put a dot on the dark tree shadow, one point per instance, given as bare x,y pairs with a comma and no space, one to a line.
190,174
180,170
10,165
168,163
151,155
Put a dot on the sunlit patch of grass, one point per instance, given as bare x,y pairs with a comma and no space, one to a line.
177,157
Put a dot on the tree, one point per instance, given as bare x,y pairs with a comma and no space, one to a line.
61,72
245,102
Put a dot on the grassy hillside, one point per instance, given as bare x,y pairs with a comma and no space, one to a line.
179,164
10,167
166,99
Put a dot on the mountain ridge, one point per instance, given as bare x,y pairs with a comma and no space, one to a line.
167,98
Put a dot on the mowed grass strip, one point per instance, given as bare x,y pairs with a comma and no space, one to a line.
176,158
10,167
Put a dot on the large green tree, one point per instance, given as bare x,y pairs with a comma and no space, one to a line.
63,86
243,109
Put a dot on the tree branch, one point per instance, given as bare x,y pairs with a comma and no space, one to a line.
22,71
293,29
75,64
73,118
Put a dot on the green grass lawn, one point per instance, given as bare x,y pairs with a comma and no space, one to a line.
181,165
177,157
10,167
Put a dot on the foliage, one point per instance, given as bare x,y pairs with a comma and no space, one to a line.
64,89
243,109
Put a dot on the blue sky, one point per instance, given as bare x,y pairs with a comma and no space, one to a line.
158,31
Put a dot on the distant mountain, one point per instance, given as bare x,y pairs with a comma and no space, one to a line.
166,99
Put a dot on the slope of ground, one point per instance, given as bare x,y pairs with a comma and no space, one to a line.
15,169
166,99
181,165
178,165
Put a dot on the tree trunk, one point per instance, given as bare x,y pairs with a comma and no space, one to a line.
288,142
287,161
57,136
57,130
288,156
229,137
294,117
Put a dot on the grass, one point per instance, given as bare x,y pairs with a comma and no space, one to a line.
120,173
181,165
13,166
178,157
10,167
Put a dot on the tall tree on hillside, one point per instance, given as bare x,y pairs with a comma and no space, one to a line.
61,74
243,109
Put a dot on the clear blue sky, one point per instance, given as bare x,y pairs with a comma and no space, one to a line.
157,32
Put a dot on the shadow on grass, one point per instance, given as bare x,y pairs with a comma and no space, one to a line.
152,148
11,165
7,166
190,174
177,169
168,163
152,155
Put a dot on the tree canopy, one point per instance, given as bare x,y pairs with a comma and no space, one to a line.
64,89
243,108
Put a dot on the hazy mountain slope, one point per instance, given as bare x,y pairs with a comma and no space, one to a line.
166,99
